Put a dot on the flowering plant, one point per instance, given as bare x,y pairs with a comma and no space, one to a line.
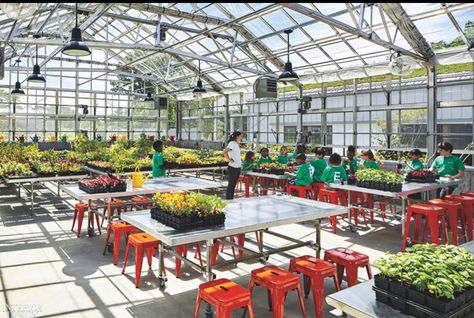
182,203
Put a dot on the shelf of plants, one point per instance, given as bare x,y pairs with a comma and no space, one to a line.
379,180
103,184
272,168
424,176
188,211
427,281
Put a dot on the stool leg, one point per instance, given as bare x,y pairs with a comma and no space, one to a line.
417,226
340,272
241,241
138,264
117,239
198,304
198,254
97,220
107,236
337,283
300,297
468,216
149,255
80,217
247,187
407,229
74,219
444,228
214,252
307,282
269,299
463,224
278,304
317,285
127,250
351,275
369,271
177,262
433,222
250,308
333,223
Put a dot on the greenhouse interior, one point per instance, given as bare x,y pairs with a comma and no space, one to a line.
262,160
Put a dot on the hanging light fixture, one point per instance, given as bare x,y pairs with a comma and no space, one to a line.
148,98
75,47
288,75
199,90
17,91
36,77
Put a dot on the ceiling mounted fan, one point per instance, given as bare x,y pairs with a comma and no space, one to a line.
400,64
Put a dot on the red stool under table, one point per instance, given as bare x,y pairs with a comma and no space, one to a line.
467,193
356,197
300,191
434,216
183,251
468,203
316,187
278,283
118,228
349,260
141,242
141,202
79,210
455,214
116,205
333,197
314,270
225,296
246,180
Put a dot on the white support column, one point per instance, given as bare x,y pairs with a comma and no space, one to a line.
299,119
431,128
354,113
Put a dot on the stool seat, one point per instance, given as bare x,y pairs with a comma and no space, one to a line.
274,276
308,263
301,191
349,260
79,210
143,239
455,213
427,208
121,225
117,228
467,193
341,254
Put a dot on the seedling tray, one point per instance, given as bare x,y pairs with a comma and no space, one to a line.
186,223
412,302
105,189
8,177
421,180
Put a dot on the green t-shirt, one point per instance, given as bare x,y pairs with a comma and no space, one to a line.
448,165
352,163
304,175
248,166
294,154
371,165
283,159
416,164
334,174
158,160
319,165
264,160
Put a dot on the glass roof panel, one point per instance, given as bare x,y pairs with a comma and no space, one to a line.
319,30
414,8
338,50
237,9
328,8
278,20
275,42
436,29
257,27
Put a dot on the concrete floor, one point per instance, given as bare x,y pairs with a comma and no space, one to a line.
46,271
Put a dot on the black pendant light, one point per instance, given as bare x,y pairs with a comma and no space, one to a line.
148,98
36,77
17,91
288,74
75,47
199,90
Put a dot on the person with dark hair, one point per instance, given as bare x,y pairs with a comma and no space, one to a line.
448,166
300,148
319,164
158,161
351,161
264,156
249,162
304,174
335,172
369,160
283,156
232,154
415,163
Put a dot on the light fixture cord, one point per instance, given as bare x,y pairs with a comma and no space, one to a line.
36,54
18,71
199,70
76,14
288,48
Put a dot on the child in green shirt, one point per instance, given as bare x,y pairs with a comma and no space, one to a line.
369,161
248,165
415,163
351,161
264,156
158,161
283,156
304,174
319,164
448,166
300,148
335,172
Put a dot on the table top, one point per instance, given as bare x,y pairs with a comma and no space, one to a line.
45,179
408,188
359,301
101,172
469,246
242,216
151,186
266,175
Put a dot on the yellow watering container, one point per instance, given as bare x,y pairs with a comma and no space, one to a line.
138,178
52,138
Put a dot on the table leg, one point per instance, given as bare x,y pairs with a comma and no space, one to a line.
209,244
161,278
59,190
32,196
317,227
90,231
403,213
19,190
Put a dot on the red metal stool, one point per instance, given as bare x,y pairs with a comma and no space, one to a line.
301,191
316,187
467,194
468,203
432,214
240,241
333,197
369,203
183,251
141,202
79,210
314,271
118,228
116,205
349,260
278,283
246,180
225,296
141,242
356,197
455,214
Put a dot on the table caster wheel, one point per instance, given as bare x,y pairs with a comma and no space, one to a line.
110,248
353,228
90,232
162,282
409,243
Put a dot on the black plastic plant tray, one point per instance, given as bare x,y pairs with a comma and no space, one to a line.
279,172
421,180
408,306
8,177
71,173
186,223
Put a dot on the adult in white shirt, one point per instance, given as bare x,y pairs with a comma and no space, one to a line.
232,154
